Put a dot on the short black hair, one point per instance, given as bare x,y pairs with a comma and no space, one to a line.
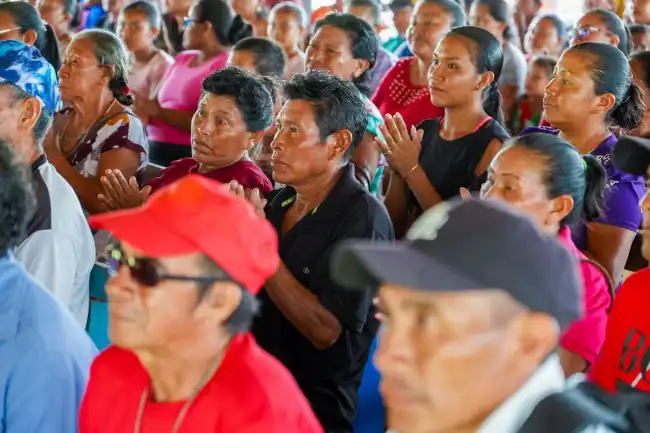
268,55
148,9
453,8
44,120
371,4
639,29
242,317
363,40
337,104
274,86
287,6
248,91
16,199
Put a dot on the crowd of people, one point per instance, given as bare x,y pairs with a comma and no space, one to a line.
320,222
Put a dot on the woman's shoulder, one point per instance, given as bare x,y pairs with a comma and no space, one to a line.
185,57
162,58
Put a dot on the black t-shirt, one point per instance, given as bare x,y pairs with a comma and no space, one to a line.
329,378
450,164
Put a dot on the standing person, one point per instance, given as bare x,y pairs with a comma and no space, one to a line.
210,32
20,21
138,26
404,89
402,11
473,306
547,179
45,355
58,249
96,131
287,24
432,161
319,331
181,301
252,13
370,12
495,17
110,19
592,91
355,44
170,38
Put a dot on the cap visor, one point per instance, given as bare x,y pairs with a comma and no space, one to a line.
143,231
362,265
632,155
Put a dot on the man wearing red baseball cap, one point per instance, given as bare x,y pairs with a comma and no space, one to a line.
181,300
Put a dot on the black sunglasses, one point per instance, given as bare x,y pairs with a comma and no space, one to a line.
144,270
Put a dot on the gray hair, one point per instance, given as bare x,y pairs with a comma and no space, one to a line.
109,50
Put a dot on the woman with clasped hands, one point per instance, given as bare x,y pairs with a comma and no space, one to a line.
433,161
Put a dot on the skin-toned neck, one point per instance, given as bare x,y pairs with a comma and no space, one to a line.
92,107
145,55
463,118
313,191
587,136
206,168
421,71
176,369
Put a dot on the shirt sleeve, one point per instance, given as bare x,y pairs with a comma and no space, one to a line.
43,394
350,307
622,205
50,258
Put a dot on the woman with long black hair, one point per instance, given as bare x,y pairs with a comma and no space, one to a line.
432,161
20,21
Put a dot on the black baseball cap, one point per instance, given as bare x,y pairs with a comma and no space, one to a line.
471,245
632,155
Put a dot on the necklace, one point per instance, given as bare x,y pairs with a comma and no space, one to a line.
84,135
188,403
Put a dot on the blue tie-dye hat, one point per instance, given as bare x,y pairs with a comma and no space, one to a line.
25,67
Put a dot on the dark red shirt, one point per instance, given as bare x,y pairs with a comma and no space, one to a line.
247,173
251,392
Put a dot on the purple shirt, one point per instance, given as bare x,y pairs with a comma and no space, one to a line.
623,192
385,60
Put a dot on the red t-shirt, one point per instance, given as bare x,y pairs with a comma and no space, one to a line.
251,392
397,94
625,356
247,173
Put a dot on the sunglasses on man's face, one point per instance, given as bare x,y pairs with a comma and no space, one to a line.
145,271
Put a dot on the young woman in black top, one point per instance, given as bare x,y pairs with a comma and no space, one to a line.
433,161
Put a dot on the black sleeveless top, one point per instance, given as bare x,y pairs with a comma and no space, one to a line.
450,164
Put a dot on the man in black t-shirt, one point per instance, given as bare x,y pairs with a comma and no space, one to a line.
320,331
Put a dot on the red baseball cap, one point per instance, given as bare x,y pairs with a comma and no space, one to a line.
199,215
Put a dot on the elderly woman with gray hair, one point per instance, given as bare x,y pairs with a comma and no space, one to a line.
96,131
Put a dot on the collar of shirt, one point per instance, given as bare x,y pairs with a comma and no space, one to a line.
509,417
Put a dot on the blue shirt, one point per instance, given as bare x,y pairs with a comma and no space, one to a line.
45,357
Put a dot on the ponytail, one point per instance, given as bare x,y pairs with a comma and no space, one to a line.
239,30
596,180
492,103
121,91
48,45
629,113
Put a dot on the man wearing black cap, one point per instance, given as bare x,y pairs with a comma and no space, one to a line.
474,304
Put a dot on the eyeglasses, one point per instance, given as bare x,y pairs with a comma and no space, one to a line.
188,20
144,270
585,31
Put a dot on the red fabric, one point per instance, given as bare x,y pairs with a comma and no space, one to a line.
626,352
543,122
251,392
247,173
198,215
396,94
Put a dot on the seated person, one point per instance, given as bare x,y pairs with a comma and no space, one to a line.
234,111
319,331
261,56
58,249
473,305
45,355
182,298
